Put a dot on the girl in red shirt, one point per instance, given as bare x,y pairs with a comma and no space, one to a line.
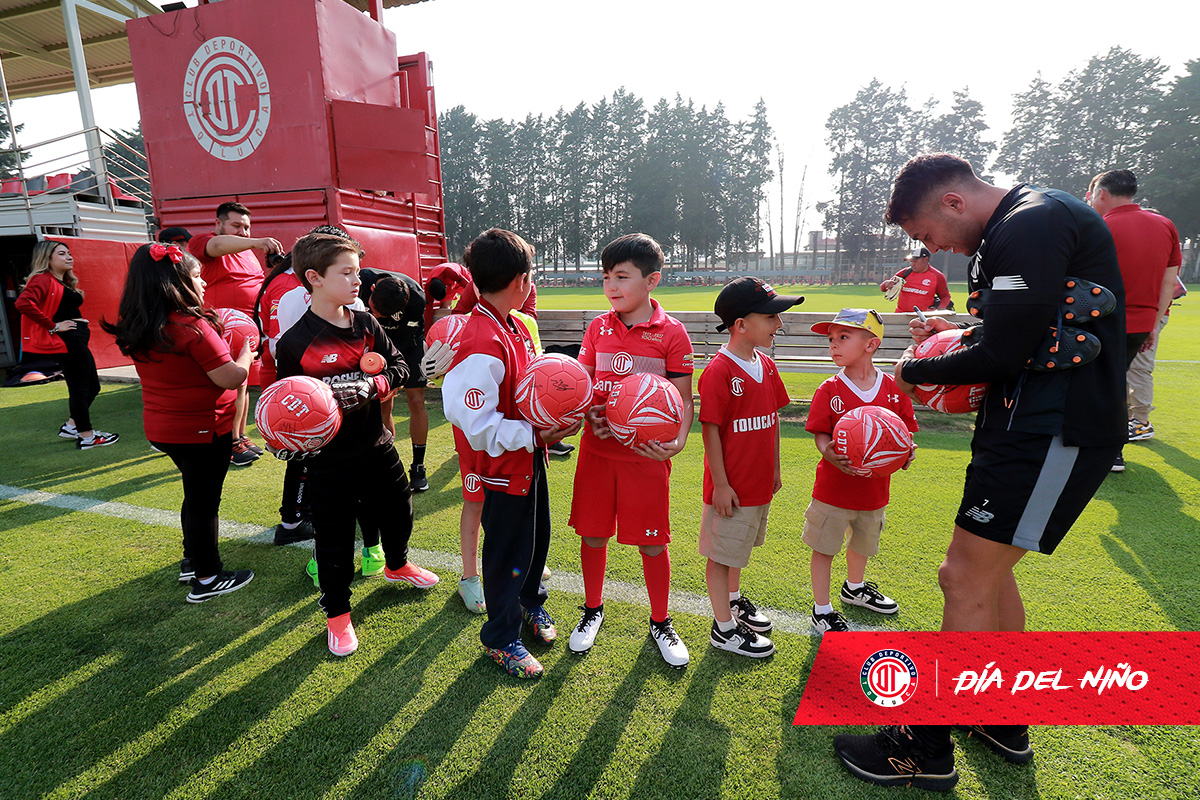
52,328
189,382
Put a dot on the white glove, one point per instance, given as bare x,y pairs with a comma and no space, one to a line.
893,291
291,455
437,360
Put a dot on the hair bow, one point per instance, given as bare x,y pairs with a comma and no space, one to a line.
158,250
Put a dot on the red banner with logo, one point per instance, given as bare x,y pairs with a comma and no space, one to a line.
1084,678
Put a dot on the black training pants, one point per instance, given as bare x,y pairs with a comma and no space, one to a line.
203,467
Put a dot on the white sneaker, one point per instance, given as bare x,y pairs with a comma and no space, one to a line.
584,635
673,650
741,640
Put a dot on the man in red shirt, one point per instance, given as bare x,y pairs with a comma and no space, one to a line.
1149,256
921,286
233,277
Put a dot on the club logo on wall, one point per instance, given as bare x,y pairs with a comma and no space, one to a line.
227,98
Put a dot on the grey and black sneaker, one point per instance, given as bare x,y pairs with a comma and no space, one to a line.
741,640
416,478
895,757
301,533
1010,742
869,596
98,439
186,571
833,621
68,431
560,448
584,635
748,613
242,455
251,446
672,648
224,583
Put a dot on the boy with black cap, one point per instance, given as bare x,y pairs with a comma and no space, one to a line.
845,501
740,397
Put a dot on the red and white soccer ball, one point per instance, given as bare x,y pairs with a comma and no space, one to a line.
237,328
875,439
961,399
644,408
553,391
446,330
298,414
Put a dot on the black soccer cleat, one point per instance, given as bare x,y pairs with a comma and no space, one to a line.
1063,348
1084,301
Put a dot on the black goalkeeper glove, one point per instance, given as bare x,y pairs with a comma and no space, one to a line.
352,393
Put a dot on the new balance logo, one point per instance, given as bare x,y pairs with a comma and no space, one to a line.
329,358
979,515
1008,283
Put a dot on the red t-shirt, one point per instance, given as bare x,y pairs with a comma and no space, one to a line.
747,410
233,281
180,403
659,346
833,398
1147,245
926,290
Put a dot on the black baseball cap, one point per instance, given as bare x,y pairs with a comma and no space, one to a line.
747,295
174,235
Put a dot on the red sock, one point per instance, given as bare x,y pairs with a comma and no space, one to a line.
658,582
593,561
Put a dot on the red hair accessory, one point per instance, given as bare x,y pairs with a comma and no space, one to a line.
158,250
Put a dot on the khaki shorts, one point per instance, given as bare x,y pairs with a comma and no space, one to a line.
729,540
826,527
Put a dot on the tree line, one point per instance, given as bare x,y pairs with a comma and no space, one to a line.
570,182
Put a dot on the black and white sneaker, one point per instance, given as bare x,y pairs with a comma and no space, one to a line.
1010,742
186,571
301,533
560,448
833,621
98,439
672,648
584,635
417,481
741,640
869,596
894,757
68,432
748,613
1118,464
224,583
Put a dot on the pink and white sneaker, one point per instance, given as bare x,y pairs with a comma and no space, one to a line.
342,639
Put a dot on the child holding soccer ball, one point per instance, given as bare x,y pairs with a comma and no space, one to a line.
740,397
509,454
845,501
358,470
619,490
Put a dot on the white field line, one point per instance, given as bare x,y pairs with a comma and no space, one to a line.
570,582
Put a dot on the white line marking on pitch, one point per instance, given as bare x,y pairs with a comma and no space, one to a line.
570,582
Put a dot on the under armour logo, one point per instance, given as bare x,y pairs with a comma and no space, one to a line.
652,532
893,398
604,330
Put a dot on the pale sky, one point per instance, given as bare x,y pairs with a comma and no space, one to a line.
507,59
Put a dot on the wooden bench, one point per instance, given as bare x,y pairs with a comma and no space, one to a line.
798,349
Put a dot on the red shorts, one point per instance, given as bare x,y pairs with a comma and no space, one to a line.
468,461
630,498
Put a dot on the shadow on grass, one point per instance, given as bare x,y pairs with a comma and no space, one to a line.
115,668
1153,541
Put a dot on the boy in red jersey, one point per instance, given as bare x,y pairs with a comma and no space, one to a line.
740,397
845,502
619,490
358,470
509,463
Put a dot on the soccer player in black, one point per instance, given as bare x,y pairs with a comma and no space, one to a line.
398,302
1044,440
358,470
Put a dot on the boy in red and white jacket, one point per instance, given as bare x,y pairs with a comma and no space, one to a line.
740,397
478,398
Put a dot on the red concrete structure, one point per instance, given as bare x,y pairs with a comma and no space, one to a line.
308,119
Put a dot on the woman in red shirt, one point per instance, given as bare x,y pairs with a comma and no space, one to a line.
189,381
52,328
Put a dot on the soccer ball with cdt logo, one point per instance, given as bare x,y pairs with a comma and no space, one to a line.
298,414
875,439
446,330
644,408
553,391
950,399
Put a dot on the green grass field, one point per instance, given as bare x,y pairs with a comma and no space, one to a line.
111,686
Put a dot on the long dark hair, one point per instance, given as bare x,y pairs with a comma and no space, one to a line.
281,264
155,289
